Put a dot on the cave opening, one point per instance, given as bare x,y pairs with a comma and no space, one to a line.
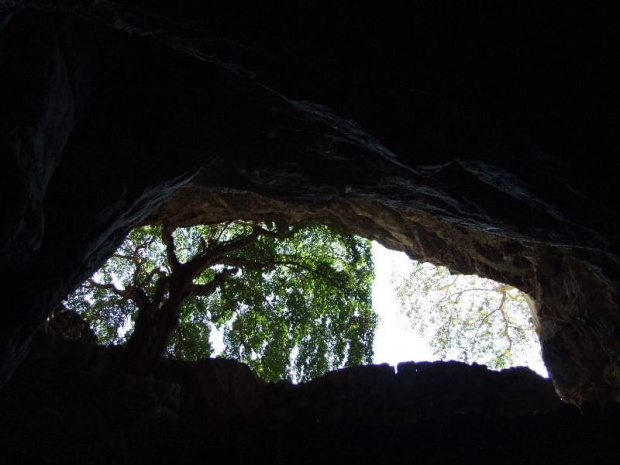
420,312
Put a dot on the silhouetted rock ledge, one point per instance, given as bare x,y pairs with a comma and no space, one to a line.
420,391
69,403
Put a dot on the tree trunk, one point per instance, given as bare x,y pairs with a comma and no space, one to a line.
151,334
156,321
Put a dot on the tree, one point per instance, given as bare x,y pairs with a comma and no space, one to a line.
468,318
292,301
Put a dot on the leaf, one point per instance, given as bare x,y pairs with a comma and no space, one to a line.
295,303
467,317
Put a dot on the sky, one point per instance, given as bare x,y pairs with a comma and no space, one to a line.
395,342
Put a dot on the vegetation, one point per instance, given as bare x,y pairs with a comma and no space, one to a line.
468,318
291,301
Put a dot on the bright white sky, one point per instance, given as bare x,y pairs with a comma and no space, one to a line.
394,341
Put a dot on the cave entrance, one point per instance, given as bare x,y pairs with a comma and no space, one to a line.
296,300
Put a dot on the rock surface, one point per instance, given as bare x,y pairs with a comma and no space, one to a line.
69,403
483,138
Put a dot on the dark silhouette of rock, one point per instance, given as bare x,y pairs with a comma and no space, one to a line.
420,391
70,325
217,389
71,402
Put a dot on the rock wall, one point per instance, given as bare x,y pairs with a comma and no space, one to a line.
479,138
70,403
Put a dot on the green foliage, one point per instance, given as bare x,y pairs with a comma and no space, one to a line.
468,318
292,303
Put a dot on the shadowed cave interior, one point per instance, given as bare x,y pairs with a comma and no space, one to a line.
483,139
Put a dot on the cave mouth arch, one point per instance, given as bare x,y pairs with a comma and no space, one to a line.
555,277
462,317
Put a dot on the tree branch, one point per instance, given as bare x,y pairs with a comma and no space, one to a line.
213,255
204,260
505,320
131,258
160,288
205,290
134,293
283,231
240,262
219,236
110,287
459,294
140,297
168,240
